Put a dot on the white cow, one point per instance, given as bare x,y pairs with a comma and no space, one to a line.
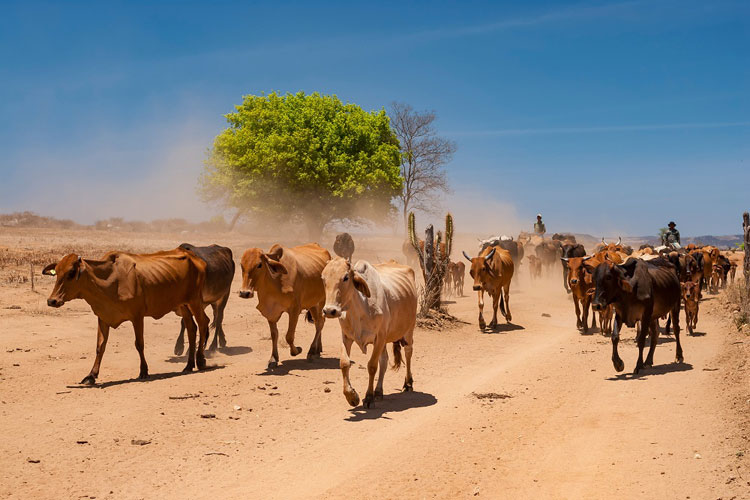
375,305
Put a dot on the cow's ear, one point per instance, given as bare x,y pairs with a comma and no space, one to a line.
276,267
360,284
50,270
127,277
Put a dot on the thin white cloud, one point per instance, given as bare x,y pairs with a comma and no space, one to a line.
602,129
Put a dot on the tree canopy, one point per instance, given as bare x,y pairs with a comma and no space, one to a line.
304,158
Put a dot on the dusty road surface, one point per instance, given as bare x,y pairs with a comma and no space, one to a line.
533,410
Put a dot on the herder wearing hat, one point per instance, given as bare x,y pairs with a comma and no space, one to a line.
539,227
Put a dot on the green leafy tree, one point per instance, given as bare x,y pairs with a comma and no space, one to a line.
307,159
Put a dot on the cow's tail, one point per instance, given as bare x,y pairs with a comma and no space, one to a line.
397,358
308,317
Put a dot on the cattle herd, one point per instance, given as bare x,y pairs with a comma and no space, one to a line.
376,304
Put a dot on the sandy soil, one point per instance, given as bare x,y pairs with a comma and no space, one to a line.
560,424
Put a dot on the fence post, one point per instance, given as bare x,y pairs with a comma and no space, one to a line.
31,273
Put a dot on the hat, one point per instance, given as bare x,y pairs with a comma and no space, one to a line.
539,215
671,223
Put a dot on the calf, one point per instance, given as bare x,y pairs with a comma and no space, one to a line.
216,290
375,305
570,250
128,287
458,273
640,292
535,267
287,281
580,283
492,271
691,294
344,246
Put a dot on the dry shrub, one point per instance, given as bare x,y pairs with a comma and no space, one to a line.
738,299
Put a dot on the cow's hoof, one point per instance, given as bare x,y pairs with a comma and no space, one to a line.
272,364
296,350
311,355
352,398
143,376
408,386
508,317
482,325
619,364
88,380
679,359
179,349
201,363
493,324
378,395
213,346
368,400
188,368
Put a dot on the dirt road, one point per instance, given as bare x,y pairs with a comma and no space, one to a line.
534,410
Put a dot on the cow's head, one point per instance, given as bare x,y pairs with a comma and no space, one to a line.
576,268
257,265
341,281
612,281
690,291
481,268
67,285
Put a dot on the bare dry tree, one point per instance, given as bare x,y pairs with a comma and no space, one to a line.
424,156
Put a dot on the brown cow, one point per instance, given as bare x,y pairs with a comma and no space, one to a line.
580,284
128,287
375,305
691,294
535,267
287,281
641,292
454,279
344,246
492,271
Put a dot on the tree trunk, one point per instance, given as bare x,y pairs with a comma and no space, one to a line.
746,230
432,280
236,217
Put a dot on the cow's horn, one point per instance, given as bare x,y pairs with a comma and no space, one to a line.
603,240
467,257
619,240
564,259
587,257
489,255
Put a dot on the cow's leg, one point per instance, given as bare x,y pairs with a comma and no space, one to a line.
274,361
565,278
654,339
585,313
508,317
345,363
480,295
382,367
578,311
293,318
495,302
191,328
616,361
200,317
372,367
408,381
316,348
102,334
643,328
215,326
138,328
219,321
676,321
179,345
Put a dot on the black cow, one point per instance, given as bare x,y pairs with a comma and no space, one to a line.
344,246
568,251
219,275
640,291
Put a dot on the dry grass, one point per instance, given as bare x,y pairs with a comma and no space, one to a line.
738,300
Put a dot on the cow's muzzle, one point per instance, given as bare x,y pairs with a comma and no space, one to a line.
477,288
55,302
573,281
246,294
331,312
596,306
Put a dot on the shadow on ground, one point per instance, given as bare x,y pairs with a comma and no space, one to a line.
391,403
651,371
151,378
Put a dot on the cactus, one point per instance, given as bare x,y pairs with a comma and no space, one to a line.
432,261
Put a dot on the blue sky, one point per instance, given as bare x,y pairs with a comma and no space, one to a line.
608,117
